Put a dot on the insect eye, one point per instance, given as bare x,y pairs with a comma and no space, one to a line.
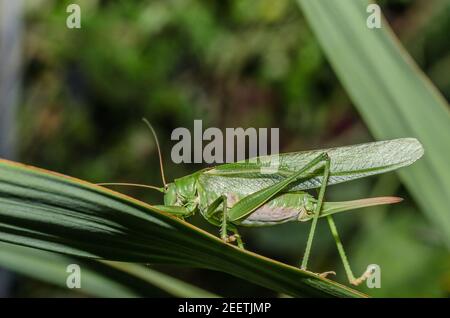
309,206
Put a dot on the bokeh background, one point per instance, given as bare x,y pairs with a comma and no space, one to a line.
241,63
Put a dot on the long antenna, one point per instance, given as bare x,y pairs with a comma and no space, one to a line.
159,150
131,185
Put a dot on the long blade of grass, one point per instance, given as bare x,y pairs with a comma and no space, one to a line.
167,283
49,211
51,268
391,93
100,279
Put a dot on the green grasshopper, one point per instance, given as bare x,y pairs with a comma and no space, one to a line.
249,193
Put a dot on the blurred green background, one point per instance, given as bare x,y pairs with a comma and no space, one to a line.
237,63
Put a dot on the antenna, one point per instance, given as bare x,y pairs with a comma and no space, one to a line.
159,150
130,185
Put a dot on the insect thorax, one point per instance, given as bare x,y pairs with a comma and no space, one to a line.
182,192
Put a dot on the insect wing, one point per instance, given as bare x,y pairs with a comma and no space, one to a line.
347,163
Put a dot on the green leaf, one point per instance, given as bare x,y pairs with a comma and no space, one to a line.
51,268
49,211
392,94
97,278
169,284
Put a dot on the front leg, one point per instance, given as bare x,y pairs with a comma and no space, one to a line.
178,211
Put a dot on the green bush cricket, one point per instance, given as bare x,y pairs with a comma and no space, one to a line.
249,193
